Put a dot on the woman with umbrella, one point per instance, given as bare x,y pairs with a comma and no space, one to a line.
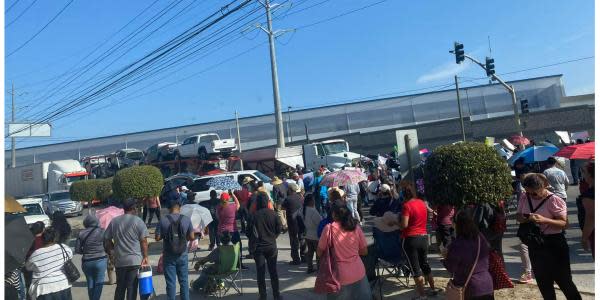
46,263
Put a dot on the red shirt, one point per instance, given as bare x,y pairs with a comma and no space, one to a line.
416,211
243,196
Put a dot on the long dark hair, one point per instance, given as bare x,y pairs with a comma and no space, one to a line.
465,224
409,191
342,214
262,201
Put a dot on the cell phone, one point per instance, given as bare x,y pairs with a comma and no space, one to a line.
526,216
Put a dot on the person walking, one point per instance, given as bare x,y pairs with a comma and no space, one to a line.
49,282
320,193
559,182
213,226
587,199
413,223
175,230
293,212
61,227
90,243
312,219
460,259
348,242
266,228
444,231
279,192
352,190
127,235
550,260
153,208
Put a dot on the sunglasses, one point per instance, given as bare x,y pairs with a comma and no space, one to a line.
534,194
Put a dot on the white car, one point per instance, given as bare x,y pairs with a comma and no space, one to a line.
202,190
204,145
35,211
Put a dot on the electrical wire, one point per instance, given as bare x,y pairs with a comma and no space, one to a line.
21,14
40,31
341,15
11,6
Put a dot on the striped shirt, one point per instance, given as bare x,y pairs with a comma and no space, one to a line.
46,264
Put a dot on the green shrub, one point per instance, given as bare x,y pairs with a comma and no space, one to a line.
104,189
137,182
83,190
466,173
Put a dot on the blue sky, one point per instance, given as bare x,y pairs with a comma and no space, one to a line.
389,48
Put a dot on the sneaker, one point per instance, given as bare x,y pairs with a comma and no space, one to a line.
249,256
310,271
526,278
295,263
244,267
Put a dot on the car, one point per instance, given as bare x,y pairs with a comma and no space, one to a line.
129,157
35,211
202,190
61,201
203,145
175,181
160,152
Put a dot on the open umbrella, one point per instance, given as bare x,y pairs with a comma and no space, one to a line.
107,214
519,140
17,241
223,183
343,178
12,206
308,179
579,151
534,154
200,215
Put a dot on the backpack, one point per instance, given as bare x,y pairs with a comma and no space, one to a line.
176,239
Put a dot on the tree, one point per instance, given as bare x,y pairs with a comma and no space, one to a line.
137,182
466,173
104,189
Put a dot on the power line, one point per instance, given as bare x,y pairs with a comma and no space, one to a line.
341,15
11,6
40,31
21,14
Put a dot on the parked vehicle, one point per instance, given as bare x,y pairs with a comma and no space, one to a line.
129,157
35,211
204,145
333,154
198,184
42,178
61,200
160,152
99,166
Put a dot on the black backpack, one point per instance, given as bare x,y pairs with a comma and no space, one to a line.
176,237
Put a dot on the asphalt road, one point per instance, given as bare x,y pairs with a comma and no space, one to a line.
295,284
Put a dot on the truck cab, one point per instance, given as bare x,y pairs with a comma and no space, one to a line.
334,154
62,173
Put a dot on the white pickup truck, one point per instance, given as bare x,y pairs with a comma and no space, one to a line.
204,145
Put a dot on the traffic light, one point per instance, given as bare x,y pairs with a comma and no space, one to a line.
489,66
459,52
524,106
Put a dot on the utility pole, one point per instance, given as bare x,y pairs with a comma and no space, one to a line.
274,77
12,139
489,68
239,140
460,115
289,131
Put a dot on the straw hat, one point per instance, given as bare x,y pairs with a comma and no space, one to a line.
294,187
383,223
276,180
12,206
247,180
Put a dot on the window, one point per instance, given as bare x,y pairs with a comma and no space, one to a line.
187,141
262,177
71,179
200,185
33,209
208,138
60,196
320,151
334,148
135,155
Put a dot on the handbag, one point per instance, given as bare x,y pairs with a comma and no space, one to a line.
530,233
327,281
499,275
69,268
454,292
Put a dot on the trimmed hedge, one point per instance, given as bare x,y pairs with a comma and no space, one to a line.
137,182
83,190
466,173
104,189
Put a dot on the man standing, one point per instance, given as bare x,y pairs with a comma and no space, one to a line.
293,211
279,192
127,235
298,181
557,178
175,230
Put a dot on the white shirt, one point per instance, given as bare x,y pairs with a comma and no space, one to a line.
558,181
46,264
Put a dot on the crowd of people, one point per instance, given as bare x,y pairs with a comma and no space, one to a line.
325,228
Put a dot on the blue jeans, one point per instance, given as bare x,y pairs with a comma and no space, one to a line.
94,275
176,267
360,290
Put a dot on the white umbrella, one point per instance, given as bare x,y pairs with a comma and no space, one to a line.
200,215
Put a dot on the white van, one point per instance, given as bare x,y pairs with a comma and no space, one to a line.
35,211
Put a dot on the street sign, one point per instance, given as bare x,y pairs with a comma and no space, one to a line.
28,130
